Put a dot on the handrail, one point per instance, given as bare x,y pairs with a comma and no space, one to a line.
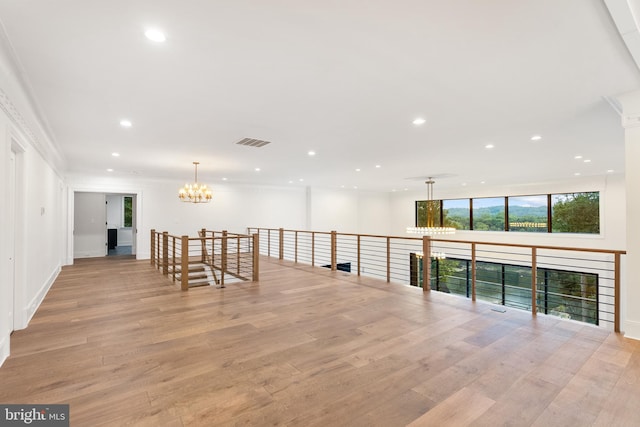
386,257
234,256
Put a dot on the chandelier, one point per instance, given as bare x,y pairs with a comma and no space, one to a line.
195,193
432,207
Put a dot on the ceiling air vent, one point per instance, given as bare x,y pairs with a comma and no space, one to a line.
251,142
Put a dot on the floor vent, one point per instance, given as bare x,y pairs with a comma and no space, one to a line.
251,142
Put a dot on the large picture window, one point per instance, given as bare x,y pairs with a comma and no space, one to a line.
528,213
575,213
456,214
543,213
488,214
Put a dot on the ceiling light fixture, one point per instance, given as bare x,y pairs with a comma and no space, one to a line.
419,121
432,206
311,153
115,154
155,35
489,146
195,193
536,138
126,123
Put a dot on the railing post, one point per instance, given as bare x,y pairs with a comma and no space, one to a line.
388,259
313,249
358,254
334,251
153,246
281,243
616,293
269,242
238,255
173,259
203,252
184,263
256,257
534,281
165,254
473,272
295,256
223,265
426,263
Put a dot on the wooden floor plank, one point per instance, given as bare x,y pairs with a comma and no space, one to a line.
308,347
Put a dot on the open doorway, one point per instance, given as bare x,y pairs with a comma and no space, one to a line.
121,224
104,224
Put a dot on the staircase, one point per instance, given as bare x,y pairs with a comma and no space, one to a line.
200,274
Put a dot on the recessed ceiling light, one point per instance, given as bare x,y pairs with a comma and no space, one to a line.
301,180
610,171
406,189
482,182
311,153
355,187
587,160
342,186
257,169
419,121
126,123
489,146
378,166
115,154
577,174
290,182
109,170
464,184
578,157
358,170
536,138
224,179
155,35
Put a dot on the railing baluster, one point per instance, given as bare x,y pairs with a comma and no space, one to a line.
534,281
153,246
165,254
184,263
426,263
616,292
473,272
388,259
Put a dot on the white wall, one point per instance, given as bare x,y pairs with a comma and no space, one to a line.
89,225
236,207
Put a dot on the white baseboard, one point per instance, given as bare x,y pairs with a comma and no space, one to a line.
35,302
4,348
632,329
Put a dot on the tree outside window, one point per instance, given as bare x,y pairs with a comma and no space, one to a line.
128,211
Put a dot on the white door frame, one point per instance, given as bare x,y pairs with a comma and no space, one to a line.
16,200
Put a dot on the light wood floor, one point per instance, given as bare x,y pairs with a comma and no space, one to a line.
308,347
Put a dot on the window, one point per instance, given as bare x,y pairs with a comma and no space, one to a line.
544,213
426,209
528,213
456,214
575,213
488,214
127,211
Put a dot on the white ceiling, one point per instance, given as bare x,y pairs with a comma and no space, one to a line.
343,78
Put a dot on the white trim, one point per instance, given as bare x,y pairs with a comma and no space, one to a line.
31,309
4,348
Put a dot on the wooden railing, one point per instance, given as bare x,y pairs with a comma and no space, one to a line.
212,258
388,258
